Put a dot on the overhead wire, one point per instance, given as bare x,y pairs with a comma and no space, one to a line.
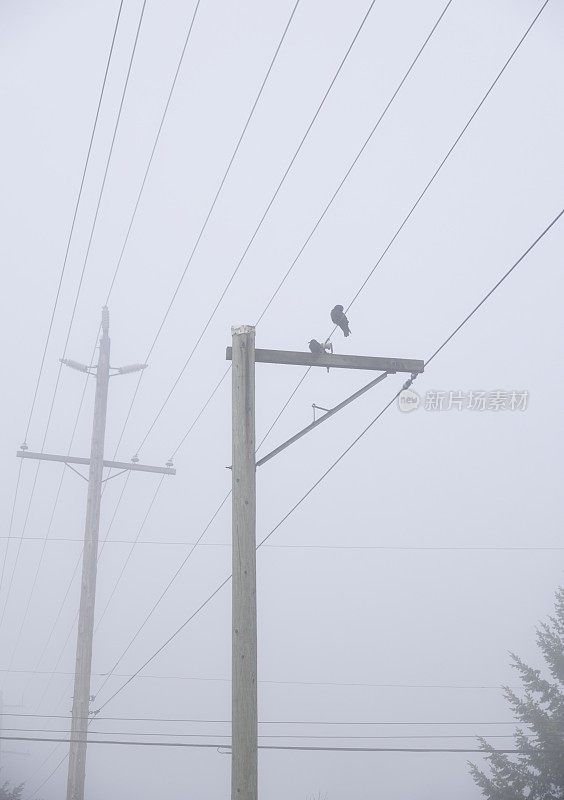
208,215
316,226
310,748
440,722
260,223
49,527
409,548
73,222
415,204
338,684
162,595
261,736
63,602
51,774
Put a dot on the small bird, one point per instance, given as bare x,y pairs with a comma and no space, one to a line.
339,318
318,348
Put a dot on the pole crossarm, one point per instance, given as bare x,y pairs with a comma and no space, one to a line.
318,421
121,465
336,361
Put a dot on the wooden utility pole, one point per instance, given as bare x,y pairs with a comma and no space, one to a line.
244,719
81,696
244,731
83,665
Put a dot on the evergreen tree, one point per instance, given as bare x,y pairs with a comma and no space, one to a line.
536,772
7,793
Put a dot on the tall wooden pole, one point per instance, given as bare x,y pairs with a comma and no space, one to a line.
244,764
81,697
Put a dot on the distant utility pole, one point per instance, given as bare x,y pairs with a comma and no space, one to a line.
244,719
81,698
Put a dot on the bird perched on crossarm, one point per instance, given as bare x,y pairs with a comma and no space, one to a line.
339,318
318,348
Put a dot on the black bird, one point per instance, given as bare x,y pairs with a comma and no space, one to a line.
339,318
317,347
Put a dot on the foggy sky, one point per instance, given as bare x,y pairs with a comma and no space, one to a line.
329,615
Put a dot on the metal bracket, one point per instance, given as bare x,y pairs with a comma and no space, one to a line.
80,475
115,475
317,422
318,408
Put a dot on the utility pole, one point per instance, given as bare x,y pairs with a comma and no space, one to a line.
244,719
83,664
96,462
244,762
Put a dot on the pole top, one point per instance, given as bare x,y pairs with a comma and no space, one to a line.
239,330
105,320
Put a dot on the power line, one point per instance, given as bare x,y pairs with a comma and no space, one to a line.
339,459
280,721
69,585
71,232
163,593
199,678
49,526
310,748
211,208
322,216
11,524
407,548
50,775
261,221
274,735
417,201
153,149
314,229
126,562
402,225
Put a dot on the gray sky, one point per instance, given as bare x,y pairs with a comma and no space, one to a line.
327,615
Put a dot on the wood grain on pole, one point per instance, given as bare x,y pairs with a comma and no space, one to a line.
81,697
244,764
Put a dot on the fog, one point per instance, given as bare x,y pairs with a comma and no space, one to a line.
395,591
